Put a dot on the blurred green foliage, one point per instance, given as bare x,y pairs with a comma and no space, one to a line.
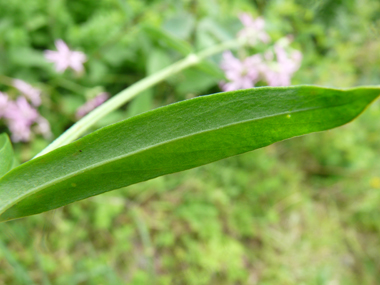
303,211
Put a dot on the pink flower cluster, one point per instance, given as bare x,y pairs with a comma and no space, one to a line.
92,104
276,66
20,115
253,30
65,58
280,73
240,73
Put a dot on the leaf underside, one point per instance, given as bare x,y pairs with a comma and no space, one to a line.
175,138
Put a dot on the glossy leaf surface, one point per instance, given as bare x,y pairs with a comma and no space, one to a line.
175,138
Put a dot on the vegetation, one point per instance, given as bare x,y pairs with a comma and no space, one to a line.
299,211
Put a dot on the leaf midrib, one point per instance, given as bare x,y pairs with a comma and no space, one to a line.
104,162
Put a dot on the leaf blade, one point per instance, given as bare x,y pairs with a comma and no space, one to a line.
174,138
7,158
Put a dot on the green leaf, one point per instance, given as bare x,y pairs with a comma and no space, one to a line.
141,103
26,57
195,82
7,158
209,33
168,40
174,138
157,60
180,25
211,68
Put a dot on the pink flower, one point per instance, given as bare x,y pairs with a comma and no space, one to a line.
241,74
33,94
20,131
280,73
276,65
92,104
65,58
276,68
21,110
253,29
3,103
43,127
20,116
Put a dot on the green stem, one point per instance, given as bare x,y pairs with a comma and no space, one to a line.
80,127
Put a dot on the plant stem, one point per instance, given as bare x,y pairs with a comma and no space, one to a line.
80,127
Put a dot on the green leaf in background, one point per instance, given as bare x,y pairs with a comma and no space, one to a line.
26,57
195,82
168,40
175,138
210,33
211,68
140,104
180,25
7,158
157,60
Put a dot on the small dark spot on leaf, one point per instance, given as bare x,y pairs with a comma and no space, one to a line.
80,150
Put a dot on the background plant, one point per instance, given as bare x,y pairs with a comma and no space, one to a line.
175,220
